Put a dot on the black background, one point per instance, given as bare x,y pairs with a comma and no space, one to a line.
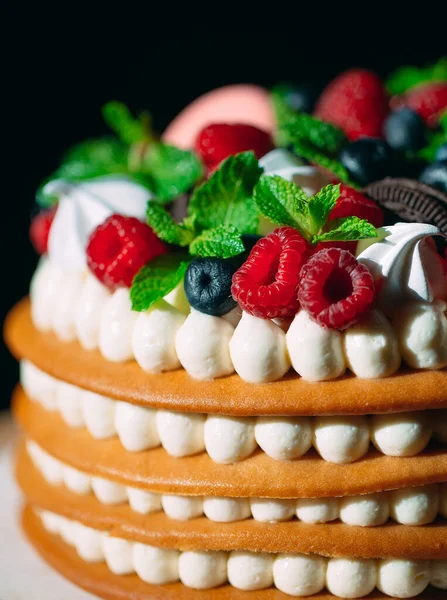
60,64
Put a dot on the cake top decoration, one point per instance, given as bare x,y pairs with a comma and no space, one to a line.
114,198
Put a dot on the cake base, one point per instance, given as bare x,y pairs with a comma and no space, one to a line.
176,390
157,529
97,579
258,476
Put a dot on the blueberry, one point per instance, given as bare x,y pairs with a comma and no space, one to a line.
208,285
368,160
436,175
301,98
441,152
405,130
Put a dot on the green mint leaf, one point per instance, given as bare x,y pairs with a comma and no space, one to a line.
283,114
89,159
315,156
156,279
406,78
172,171
435,139
226,198
119,118
321,204
103,156
443,121
349,229
166,228
282,202
293,126
223,241
322,136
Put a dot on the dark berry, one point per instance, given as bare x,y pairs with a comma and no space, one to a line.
301,98
436,175
208,285
441,152
405,130
367,160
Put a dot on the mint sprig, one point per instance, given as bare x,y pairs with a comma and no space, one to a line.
322,136
166,228
435,140
166,170
281,201
87,160
223,241
332,164
284,114
284,203
350,229
226,198
320,205
129,129
219,212
407,78
172,171
315,140
155,280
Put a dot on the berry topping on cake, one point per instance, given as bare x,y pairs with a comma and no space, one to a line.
119,248
352,203
335,289
428,101
40,230
368,160
218,141
208,285
356,102
405,131
266,284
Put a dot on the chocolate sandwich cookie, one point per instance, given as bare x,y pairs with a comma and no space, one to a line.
410,200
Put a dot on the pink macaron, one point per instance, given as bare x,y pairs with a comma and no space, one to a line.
241,103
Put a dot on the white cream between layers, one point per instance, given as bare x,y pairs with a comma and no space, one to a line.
228,439
75,305
293,574
408,506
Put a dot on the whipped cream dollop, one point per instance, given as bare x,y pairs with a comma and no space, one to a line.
406,265
288,166
294,574
408,506
82,207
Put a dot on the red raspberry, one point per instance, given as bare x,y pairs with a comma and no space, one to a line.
40,230
352,203
335,289
356,102
218,141
119,247
429,101
266,284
